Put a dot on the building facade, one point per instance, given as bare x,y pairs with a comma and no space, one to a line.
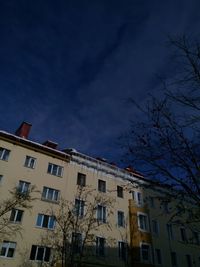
120,221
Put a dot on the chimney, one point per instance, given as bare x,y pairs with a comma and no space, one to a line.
50,144
23,130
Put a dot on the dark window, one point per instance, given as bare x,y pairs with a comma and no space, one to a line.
76,242
120,218
170,231
16,215
183,234
79,207
39,253
174,259
4,153
81,179
158,256
120,191
195,237
101,213
155,229
145,253
122,250
102,186
100,246
189,260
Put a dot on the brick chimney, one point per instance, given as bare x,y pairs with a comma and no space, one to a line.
23,130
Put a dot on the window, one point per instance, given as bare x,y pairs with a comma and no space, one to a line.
122,250
4,154
39,253
8,249
50,194
16,215
188,260
195,237
101,213
143,222
120,218
152,202
174,259
133,195
183,234
30,162
155,228
120,191
55,169
158,256
170,231
139,198
145,253
45,221
1,178
165,205
23,187
76,242
100,246
81,179
101,186
79,207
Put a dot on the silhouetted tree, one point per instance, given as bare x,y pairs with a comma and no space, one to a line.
165,143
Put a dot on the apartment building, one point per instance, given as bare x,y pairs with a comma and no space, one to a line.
129,226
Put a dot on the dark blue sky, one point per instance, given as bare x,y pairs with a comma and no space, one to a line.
68,67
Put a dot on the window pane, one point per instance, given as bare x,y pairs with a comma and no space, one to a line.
39,220
40,254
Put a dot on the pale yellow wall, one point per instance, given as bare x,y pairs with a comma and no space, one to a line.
14,170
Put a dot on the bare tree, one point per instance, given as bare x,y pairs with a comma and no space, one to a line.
16,200
76,222
165,144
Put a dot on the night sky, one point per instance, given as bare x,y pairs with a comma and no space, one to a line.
69,67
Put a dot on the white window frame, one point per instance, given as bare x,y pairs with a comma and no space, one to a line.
139,222
16,211
30,162
42,221
101,213
36,253
4,154
25,185
8,245
46,194
55,169
141,255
